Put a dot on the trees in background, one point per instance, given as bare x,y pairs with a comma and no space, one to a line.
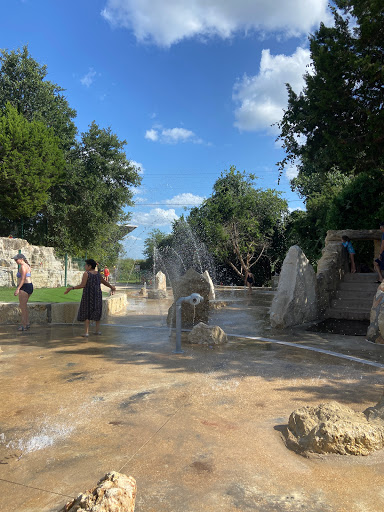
72,193
236,230
31,162
238,222
333,130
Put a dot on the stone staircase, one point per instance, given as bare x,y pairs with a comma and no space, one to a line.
354,297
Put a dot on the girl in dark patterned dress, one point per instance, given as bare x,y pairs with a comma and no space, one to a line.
91,304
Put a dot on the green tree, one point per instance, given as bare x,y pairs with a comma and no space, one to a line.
23,83
238,222
31,162
336,122
155,239
88,211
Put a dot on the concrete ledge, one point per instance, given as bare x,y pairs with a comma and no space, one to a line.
57,313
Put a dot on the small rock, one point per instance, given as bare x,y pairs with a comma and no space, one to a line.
115,492
207,335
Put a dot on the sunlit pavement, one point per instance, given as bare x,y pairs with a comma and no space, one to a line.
200,431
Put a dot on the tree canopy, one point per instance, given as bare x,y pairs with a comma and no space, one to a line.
87,210
74,193
336,122
31,162
238,222
23,83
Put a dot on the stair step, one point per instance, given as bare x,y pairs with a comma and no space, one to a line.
360,295
370,277
351,304
356,286
347,314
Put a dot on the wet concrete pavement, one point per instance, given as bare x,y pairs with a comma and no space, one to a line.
201,431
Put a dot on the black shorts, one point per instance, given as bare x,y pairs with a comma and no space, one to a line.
27,288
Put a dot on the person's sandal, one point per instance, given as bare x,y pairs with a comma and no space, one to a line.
85,335
22,328
97,333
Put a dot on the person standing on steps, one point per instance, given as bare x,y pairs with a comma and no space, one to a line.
91,304
379,262
24,289
351,251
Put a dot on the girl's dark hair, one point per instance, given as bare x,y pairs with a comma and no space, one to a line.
345,238
91,263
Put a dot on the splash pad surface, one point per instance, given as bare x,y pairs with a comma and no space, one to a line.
199,431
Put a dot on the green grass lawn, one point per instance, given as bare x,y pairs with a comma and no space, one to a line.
44,295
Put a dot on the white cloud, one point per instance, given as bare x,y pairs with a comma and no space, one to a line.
139,167
185,199
152,134
171,135
88,79
166,22
263,97
155,217
291,171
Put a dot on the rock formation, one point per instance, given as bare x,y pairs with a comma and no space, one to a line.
160,291
207,277
335,428
203,334
47,268
295,301
115,492
375,331
191,282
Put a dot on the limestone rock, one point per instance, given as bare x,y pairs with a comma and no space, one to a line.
376,414
375,330
207,277
160,281
295,301
157,294
47,268
203,334
115,492
191,282
335,428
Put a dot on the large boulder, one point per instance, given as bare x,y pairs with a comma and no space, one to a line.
203,334
207,277
375,331
295,301
115,492
160,281
335,428
191,282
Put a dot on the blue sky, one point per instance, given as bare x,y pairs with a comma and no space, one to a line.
193,86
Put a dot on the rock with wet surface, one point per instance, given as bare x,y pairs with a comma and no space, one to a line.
115,492
203,334
334,428
212,293
295,301
375,330
191,282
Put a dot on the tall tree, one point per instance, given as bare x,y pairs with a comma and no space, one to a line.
31,162
23,83
336,122
238,222
87,211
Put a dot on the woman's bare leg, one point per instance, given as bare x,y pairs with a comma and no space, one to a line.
86,325
23,303
353,266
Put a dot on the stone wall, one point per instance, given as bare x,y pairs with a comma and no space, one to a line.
47,269
58,313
